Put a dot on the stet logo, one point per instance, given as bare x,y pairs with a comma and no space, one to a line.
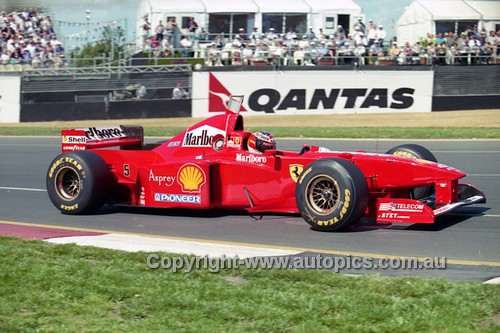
295,171
191,178
218,95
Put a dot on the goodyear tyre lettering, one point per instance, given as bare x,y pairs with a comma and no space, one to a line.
403,154
73,207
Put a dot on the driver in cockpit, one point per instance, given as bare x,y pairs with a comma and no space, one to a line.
259,142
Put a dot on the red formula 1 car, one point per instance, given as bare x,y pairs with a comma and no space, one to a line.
209,166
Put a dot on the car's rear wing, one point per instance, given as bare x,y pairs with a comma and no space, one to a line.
101,137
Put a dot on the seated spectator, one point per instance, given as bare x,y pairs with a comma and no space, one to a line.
237,41
179,92
256,35
439,39
441,51
290,35
213,55
431,53
202,35
474,48
372,34
394,53
166,48
408,54
304,43
261,53
236,58
323,51
186,46
486,53
247,54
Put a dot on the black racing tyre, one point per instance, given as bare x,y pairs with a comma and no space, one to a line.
415,151
331,194
78,182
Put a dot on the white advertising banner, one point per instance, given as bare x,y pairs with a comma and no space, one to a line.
10,97
314,92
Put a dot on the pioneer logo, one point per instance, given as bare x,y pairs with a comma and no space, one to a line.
270,100
201,137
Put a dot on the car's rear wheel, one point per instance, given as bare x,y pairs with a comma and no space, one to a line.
331,194
78,182
420,152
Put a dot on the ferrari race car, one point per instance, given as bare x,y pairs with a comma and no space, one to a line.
210,166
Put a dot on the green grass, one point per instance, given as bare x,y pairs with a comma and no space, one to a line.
339,132
56,288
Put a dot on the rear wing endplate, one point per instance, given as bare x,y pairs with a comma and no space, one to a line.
101,137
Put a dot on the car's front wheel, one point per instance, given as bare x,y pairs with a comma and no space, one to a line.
331,194
419,152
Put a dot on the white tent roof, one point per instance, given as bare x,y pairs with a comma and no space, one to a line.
334,6
489,10
224,6
449,9
283,6
176,6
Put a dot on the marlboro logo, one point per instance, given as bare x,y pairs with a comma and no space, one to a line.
201,137
103,133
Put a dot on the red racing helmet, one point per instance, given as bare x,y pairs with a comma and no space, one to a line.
259,142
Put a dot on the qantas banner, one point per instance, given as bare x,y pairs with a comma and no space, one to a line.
10,96
313,92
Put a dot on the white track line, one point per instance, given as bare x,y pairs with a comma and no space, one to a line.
22,189
474,215
493,281
133,243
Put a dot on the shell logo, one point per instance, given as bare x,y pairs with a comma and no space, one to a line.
191,177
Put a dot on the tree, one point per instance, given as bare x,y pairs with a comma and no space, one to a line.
111,44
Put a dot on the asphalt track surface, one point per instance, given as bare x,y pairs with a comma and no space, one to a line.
469,237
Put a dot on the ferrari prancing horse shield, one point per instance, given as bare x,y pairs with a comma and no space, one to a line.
295,171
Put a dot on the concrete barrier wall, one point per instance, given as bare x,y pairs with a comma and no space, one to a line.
295,91
102,110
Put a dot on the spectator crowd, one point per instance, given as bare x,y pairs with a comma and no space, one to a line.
367,44
28,38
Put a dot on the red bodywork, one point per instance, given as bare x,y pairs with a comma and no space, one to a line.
207,167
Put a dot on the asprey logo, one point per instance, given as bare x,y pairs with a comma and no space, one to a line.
165,180
218,96
191,177
202,136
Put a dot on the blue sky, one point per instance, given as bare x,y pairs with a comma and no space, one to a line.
385,11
